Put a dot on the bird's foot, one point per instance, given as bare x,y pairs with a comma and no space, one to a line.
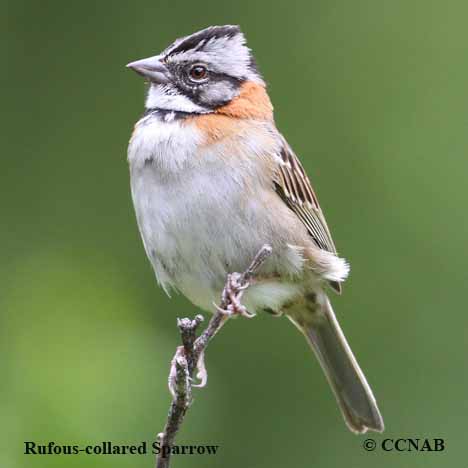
202,374
179,364
232,295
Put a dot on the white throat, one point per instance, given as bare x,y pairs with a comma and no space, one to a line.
167,97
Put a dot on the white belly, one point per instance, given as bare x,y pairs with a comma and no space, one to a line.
195,217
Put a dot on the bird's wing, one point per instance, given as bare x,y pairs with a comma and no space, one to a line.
294,187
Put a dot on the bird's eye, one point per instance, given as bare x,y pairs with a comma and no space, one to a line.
198,73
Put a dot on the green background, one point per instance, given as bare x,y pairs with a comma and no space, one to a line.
373,97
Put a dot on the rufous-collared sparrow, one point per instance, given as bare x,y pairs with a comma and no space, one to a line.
213,180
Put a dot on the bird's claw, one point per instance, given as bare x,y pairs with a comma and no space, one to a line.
180,359
232,295
202,374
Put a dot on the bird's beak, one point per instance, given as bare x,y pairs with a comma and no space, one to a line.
151,68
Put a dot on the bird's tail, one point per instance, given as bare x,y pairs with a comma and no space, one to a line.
323,332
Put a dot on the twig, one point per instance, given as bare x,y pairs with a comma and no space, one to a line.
190,356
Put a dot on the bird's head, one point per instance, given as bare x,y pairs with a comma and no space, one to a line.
199,73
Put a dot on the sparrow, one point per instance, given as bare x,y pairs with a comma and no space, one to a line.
213,180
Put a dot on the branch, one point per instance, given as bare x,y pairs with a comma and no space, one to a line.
190,356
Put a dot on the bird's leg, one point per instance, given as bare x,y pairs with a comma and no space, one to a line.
192,353
177,360
178,366
202,373
232,295
180,357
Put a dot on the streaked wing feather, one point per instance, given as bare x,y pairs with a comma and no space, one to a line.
294,187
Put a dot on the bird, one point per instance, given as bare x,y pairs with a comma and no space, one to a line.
212,180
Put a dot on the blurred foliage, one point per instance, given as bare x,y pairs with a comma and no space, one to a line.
373,97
